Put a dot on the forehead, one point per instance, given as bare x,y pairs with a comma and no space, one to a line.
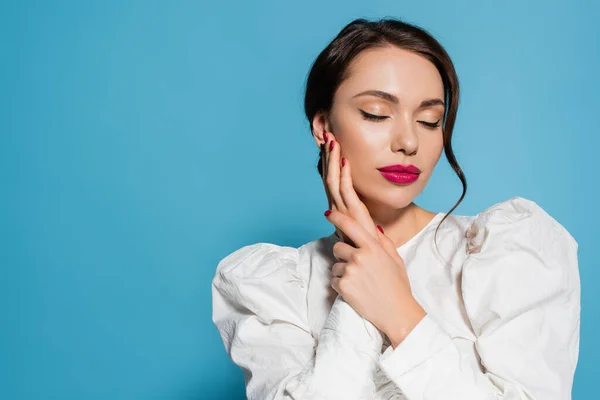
408,75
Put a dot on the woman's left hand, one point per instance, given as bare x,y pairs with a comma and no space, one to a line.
371,275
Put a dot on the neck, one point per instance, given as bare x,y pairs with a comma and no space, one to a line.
400,224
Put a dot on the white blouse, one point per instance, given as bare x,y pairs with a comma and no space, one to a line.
502,298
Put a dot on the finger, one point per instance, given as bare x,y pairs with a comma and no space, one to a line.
345,238
337,271
335,284
333,174
354,205
343,251
388,245
352,229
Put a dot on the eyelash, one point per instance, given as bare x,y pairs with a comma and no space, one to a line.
380,118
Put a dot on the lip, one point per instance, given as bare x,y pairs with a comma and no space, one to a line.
411,169
399,173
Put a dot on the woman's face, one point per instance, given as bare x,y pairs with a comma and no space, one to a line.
405,80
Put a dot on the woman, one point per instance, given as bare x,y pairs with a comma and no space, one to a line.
400,302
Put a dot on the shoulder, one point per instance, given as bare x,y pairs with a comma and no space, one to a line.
261,260
520,221
266,280
255,268
520,284
257,260
516,247
267,267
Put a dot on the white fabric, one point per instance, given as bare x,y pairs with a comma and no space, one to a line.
502,298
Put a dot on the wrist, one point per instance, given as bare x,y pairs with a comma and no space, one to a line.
401,327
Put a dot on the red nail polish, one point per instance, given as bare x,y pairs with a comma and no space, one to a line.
343,161
380,228
331,146
325,136
327,213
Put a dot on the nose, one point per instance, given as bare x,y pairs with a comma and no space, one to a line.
404,138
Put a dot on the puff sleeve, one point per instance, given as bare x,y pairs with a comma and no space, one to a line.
260,310
521,291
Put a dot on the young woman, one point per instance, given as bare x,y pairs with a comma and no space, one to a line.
400,302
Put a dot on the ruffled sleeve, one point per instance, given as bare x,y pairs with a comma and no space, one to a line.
521,290
260,310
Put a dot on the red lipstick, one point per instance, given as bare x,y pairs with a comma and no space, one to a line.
399,173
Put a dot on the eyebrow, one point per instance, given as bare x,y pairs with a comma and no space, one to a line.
393,99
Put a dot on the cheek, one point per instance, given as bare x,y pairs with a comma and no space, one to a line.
358,144
432,148
362,153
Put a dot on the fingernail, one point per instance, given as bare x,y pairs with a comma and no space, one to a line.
325,136
327,213
331,146
343,161
380,228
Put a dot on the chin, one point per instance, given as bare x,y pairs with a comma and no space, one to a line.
397,202
395,198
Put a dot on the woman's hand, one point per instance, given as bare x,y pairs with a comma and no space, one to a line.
372,278
339,189
371,275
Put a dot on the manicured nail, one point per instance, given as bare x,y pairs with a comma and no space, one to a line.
325,136
380,228
331,146
343,161
327,213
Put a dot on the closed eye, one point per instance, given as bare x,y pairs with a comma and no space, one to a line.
431,125
373,117
380,118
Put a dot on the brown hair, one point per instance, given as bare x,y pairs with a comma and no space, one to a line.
330,69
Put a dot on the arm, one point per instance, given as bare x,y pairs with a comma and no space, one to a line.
522,295
260,309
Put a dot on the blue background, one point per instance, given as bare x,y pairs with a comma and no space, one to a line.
142,141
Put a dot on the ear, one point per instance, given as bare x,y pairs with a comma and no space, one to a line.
320,124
